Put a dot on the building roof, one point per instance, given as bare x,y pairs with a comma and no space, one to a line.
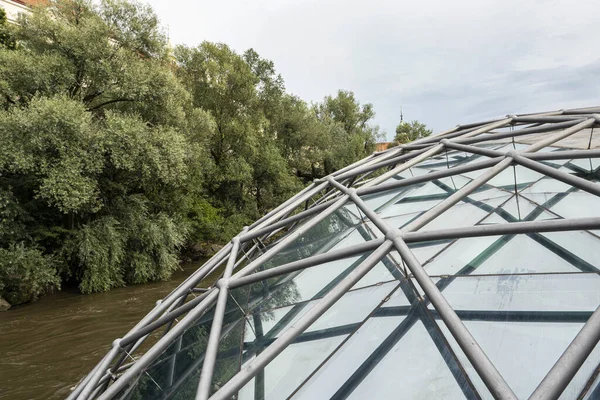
381,146
462,265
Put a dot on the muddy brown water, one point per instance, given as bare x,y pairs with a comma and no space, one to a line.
46,347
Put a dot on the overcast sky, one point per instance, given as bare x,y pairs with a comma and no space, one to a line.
445,62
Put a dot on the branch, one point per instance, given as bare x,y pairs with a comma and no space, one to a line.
92,96
109,102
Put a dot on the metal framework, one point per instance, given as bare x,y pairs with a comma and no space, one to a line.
371,279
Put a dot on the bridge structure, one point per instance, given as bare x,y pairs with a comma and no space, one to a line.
462,265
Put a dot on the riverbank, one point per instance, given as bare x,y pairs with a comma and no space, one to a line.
48,345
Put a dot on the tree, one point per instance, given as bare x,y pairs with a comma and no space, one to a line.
407,132
243,94
115,154
348,129
6,38
99,150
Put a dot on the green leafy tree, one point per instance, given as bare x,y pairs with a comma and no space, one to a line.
410,131
116,152
7,40
243,94
100,147
348,130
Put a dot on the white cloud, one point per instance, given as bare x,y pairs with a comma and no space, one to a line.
445,62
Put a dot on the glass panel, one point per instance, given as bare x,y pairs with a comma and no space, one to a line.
522,255
579,243
585,164
397,209
396,299
287,371
334,232
523,352
506,178
578,140
413,367
593,391
489,193
521,207
500,255
424,251
552,292
460,215
283,375
578,205
331,376
512,146
177,370
493,218
314,282
455,182
546,185
524,323
352,308
401,220
378,274
379,200
459,255
412,172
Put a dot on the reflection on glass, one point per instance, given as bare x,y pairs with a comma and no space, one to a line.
287,371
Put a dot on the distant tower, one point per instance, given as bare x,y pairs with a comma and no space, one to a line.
401,116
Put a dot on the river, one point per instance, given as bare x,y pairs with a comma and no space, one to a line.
46,347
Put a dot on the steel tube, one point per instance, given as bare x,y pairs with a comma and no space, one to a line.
559,136
482,364
380,164
97,374
414,161
284,222
457,196
281,206
290,206
435,150
471,149
81,385
512,228
291,237
562,155
308,262
194,279
429,177
210,357
546,119
558,378
288,336
165,319
521,132
365,160
160,346
572,180
458,131
484,123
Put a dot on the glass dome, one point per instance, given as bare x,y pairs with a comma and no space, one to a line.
462,265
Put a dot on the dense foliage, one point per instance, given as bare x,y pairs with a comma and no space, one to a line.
118,151
409,131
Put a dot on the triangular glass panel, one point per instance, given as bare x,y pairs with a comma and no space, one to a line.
282,376
523,323
546,185
582,247
343,228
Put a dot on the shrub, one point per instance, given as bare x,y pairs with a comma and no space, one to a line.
26,274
